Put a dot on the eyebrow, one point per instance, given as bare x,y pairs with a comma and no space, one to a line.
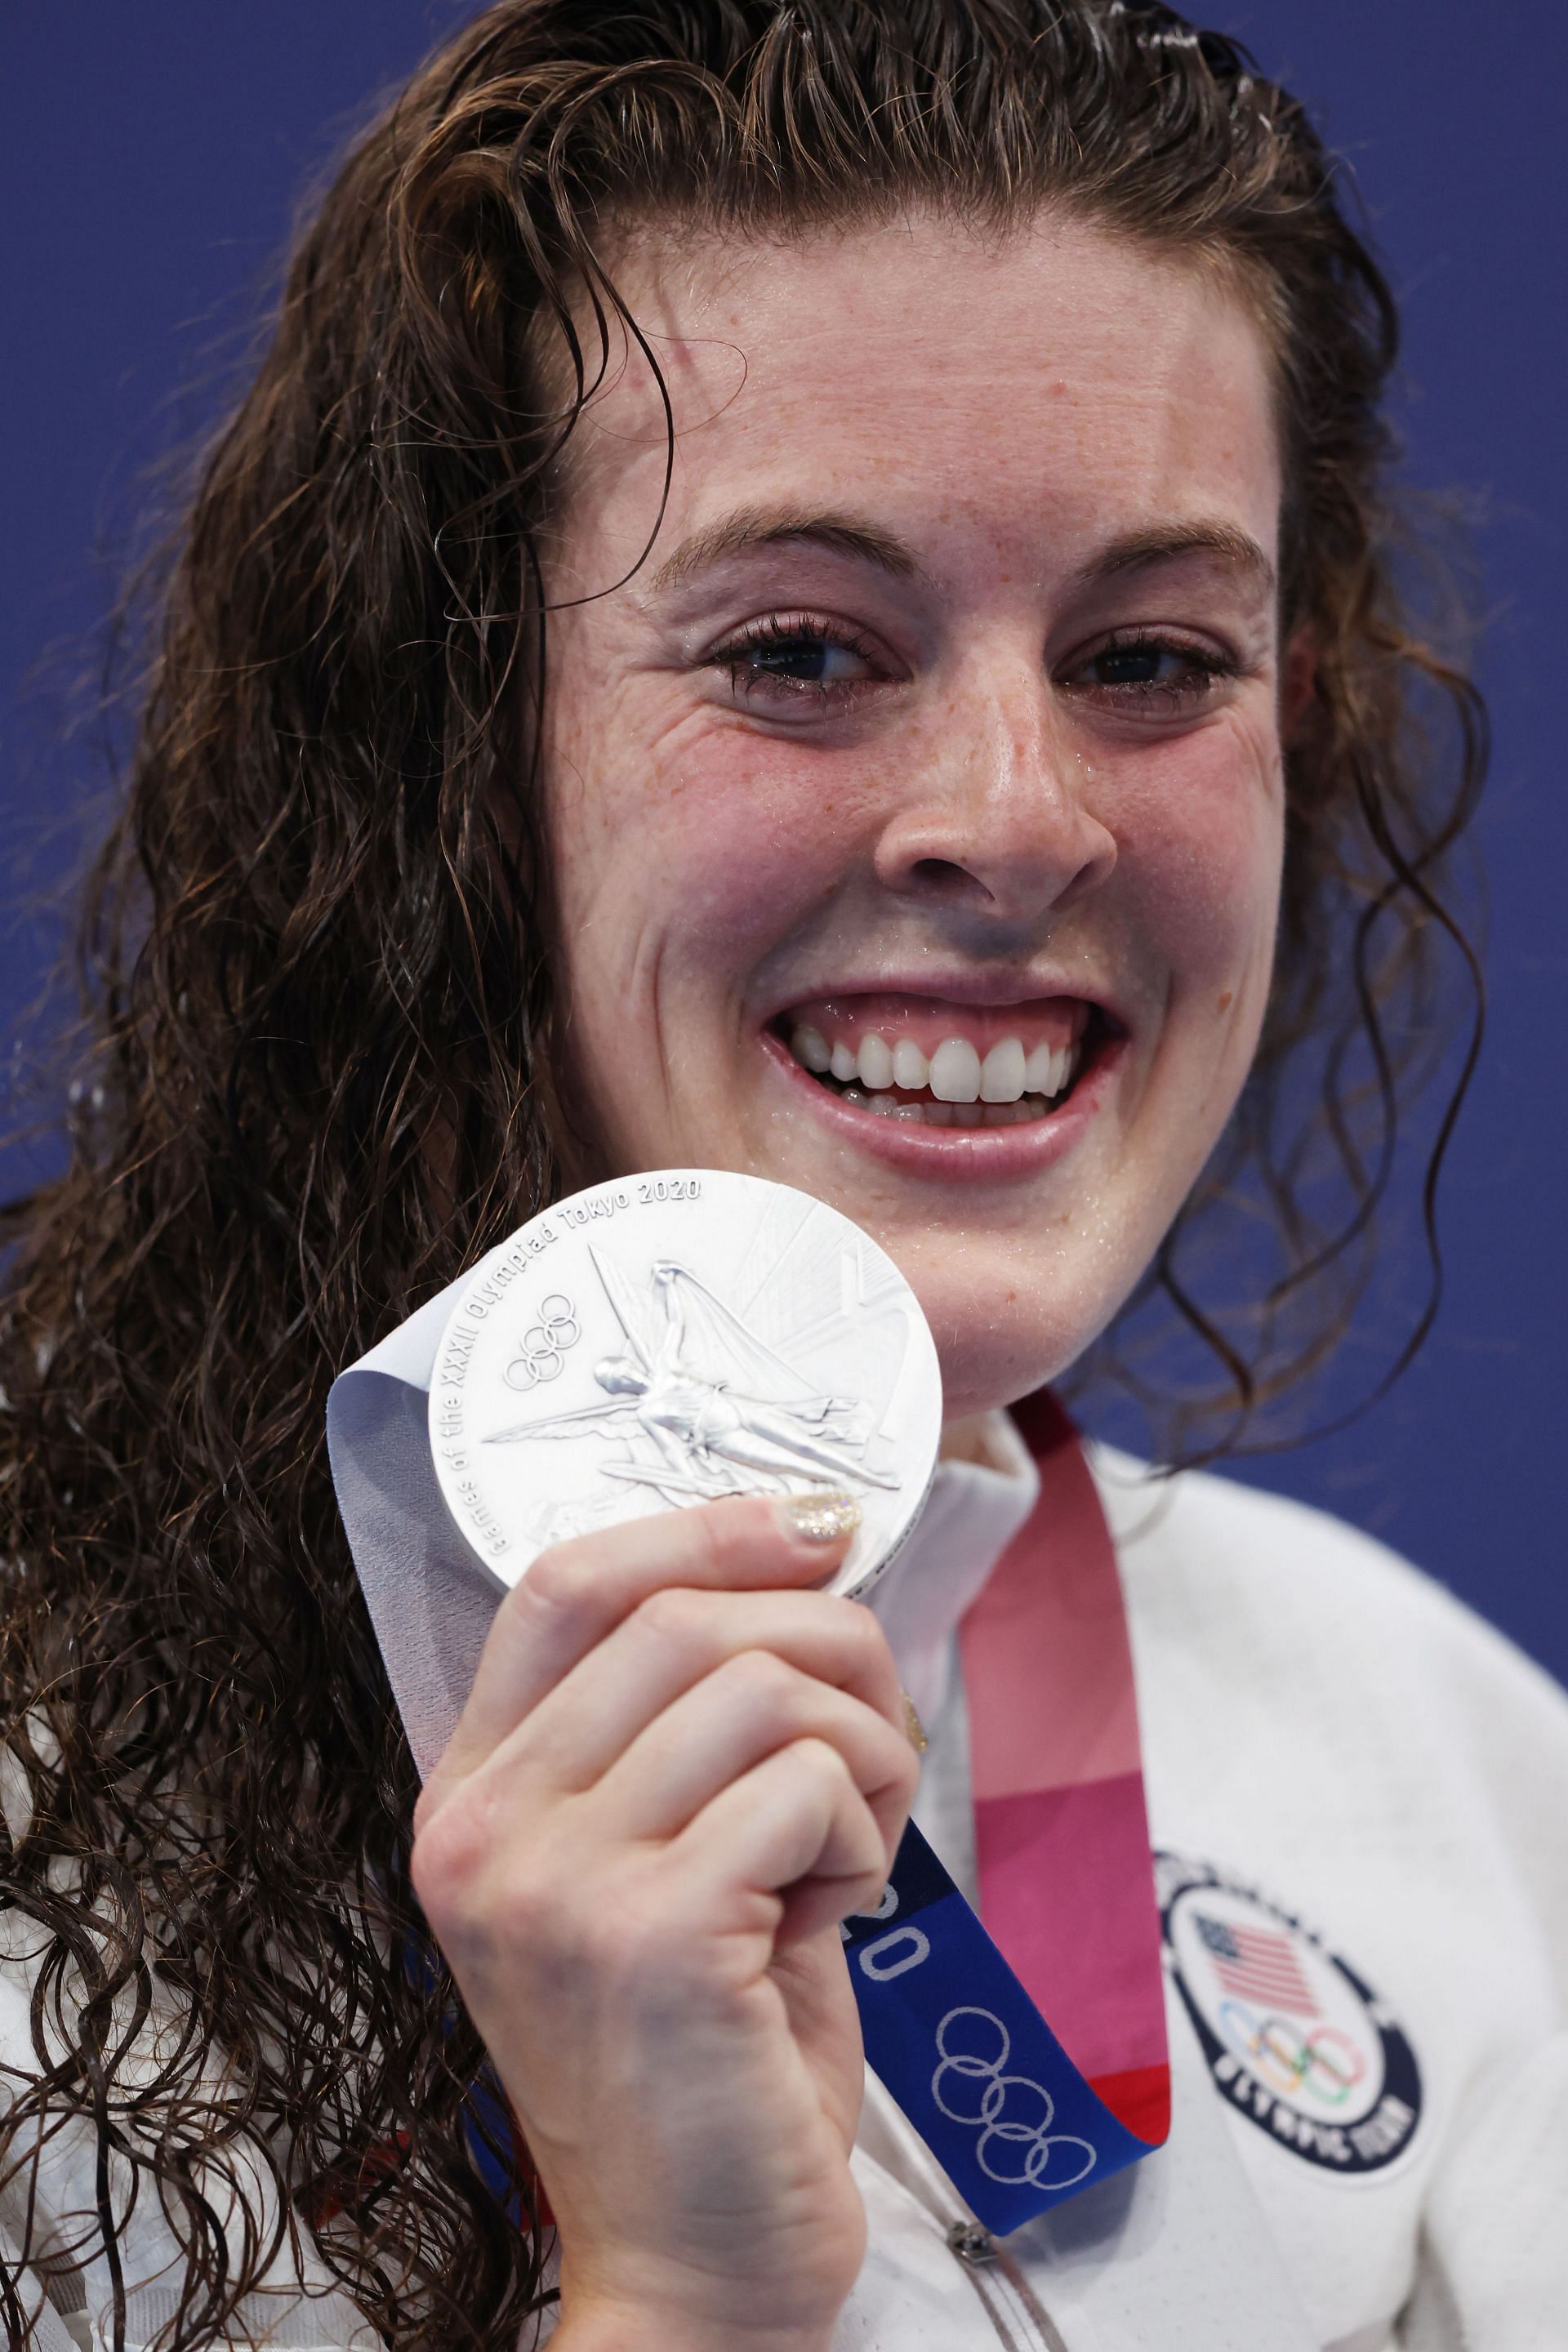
754,527
1140,549
748,529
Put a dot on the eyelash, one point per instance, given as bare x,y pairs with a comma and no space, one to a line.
1206,665
792,629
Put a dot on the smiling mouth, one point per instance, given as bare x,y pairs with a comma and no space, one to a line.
934,1063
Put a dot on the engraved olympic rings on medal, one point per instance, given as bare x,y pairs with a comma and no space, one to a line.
1009,2111
541,1353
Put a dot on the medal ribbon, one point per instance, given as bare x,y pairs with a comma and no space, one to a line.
1020,2112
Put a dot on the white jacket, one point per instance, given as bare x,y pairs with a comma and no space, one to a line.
1344,1762
1344,1746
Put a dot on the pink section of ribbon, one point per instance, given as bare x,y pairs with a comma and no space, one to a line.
1061,1836
1045,1643
1065,1880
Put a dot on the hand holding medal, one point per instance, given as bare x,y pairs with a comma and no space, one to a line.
677,1798
683,1761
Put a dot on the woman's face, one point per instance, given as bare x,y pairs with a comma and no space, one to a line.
939,739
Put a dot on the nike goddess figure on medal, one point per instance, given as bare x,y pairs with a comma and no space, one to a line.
701,1424
719,1335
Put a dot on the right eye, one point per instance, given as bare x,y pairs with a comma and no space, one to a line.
785,657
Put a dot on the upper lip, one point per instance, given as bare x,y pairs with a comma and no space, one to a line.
996,985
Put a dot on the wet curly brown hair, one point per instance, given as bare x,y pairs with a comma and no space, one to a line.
317,940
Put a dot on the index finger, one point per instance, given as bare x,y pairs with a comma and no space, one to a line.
577,1592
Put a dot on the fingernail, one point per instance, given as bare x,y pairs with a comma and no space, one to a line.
819,1518
915,1729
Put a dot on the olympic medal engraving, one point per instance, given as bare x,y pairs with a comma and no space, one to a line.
666,1339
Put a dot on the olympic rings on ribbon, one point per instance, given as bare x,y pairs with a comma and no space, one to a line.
1009,2112
544,1344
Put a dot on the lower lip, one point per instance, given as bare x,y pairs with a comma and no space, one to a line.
974,1155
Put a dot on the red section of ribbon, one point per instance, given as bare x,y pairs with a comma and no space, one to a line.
1061,1833
1140,2099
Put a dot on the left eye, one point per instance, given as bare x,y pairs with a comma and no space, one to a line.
1134,666
1151,666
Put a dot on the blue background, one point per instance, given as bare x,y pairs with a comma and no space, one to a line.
151,161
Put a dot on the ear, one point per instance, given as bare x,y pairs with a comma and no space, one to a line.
1298,682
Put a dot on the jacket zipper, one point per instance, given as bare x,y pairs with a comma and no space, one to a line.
1018,2318
1015,2311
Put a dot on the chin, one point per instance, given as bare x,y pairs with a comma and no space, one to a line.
978,1380
1022,1345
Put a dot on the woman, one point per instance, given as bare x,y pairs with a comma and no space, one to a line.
766,538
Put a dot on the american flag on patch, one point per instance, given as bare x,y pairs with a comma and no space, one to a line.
1257,1965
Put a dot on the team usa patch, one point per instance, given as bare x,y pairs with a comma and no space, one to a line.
1295,2039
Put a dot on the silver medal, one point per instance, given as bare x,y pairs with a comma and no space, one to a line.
671,1339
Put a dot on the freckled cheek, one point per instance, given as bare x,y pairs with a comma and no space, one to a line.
715,850
1198,858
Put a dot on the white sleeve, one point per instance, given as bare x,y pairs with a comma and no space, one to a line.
1494,2259
55,2264
55,2315
44,2329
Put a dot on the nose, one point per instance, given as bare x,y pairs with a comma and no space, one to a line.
997,820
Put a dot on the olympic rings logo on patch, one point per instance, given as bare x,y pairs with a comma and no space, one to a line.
1009,2111
1324,2063
542,1351
1295,2038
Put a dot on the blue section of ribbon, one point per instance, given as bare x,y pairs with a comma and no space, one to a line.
490,2131
963,2048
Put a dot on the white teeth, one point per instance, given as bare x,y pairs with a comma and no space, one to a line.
875,1062
1037,1071
955,1071
883,1104
937,1114
844,1064
966,1114
1002,1072
810,1049
911,1068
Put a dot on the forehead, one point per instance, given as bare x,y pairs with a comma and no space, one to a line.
1059,381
